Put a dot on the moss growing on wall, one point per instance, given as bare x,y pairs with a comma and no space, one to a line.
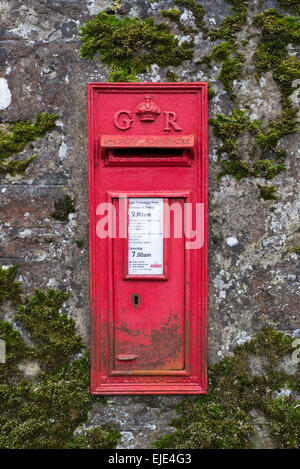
295,249
126,47
290,5
228,129
45,412
225,53
63,207
14,138
104,437
222,419
130,46
198,12
9,288
52,332
172,15
267,192
232,23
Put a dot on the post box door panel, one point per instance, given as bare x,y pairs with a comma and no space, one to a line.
149,312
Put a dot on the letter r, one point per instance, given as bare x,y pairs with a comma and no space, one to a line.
170,119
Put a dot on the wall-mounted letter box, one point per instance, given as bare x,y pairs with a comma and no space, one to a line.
148,195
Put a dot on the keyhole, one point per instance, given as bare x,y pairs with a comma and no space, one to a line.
135,300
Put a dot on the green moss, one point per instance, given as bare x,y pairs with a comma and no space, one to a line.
52,332
232,23
232,64
229,128
131,46
277,31
171,76
104,437
172,15
117,7
9,288
63,207
45,413
14,138
16,350
222,419
267,192
231,71
210,91
197,9
295,249
48,239
290,5
79,242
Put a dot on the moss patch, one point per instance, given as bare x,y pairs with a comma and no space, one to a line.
267,192
171,76
197,10
232,61
104,437
233,23
9,288
14,138
79,243
222,418
228,129
290,5
46,412
63,207
52,332
295,249
129,46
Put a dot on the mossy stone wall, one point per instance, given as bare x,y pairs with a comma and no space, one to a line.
248,51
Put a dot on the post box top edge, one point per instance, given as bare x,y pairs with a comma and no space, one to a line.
165,85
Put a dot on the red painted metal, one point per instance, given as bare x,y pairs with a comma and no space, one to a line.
147,141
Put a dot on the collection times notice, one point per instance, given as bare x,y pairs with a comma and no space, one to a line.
145,236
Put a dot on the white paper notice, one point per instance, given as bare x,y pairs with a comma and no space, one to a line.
145,236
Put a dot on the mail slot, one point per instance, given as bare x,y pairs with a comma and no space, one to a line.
148,237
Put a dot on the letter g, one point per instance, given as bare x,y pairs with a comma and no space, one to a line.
122,123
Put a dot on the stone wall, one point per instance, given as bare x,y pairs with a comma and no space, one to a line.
252,247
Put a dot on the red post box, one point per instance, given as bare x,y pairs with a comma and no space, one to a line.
148,246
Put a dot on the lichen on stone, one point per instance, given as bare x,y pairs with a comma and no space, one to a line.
222,419
16,136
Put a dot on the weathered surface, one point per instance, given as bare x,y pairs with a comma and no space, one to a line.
251,267
140,419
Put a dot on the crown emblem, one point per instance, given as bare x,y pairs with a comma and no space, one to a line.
147,111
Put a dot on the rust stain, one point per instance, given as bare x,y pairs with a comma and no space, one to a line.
161,348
